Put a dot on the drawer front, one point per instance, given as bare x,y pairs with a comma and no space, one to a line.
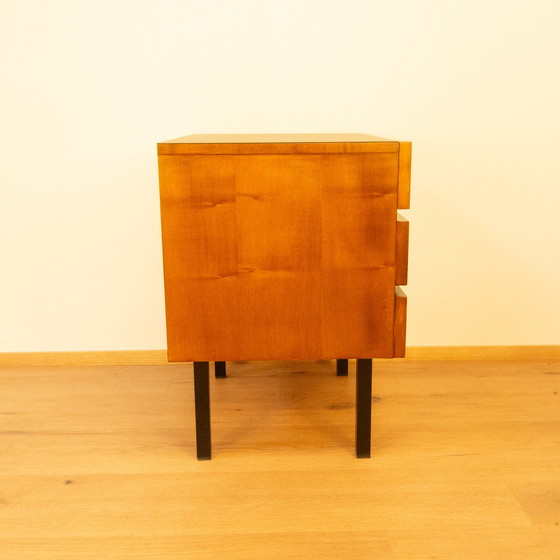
400,324
401,259
405,154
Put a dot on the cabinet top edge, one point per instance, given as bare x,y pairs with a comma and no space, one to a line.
274,138
253,144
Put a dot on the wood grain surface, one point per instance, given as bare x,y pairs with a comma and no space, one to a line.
305,138
279,256
405,154
159,357
400,324
213,144
403,231
99,462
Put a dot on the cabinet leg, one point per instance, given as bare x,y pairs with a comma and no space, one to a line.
220,369
202,410
342,367
363,408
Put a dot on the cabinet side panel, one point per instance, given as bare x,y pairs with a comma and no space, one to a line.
279,256
278,212
197,196
278,243
358,231
357,313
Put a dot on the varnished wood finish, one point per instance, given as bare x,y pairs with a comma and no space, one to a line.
400,324
306,138
97,463
287,255
401,269
239,144
527,352
405,154
136,357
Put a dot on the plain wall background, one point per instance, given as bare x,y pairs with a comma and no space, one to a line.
89,87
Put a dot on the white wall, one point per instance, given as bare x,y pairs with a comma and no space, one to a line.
89,87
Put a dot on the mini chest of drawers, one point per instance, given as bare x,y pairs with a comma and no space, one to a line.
283,247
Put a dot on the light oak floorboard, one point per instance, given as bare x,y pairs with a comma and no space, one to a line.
246,546
99,462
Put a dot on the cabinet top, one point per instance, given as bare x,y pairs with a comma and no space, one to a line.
276,144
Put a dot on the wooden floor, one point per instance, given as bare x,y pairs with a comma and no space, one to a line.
98,462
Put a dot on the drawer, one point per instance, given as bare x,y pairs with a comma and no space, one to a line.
403,188
401,259
399,331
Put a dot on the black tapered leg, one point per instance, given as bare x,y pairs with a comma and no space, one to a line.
220,369
363,408
202,410
342,367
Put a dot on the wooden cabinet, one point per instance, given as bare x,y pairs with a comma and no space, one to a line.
284,247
